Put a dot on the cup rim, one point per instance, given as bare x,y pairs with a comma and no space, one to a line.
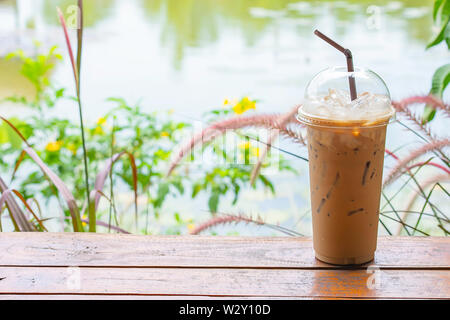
313,121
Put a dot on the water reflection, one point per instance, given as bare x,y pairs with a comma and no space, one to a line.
196,23
248,47
94,11
187,24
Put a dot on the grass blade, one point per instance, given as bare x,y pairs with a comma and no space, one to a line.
18,218
79,40
395,211
111,180
76,73
57,182
404,225
445,219
16,166
21,197
104,174
436,216
69,48
62,188
109,226
94,195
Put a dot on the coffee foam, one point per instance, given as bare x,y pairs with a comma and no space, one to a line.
337,105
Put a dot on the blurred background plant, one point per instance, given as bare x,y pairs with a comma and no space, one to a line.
441,77
37,71
147,142
149,138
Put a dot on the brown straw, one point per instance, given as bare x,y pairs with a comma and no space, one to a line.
348,55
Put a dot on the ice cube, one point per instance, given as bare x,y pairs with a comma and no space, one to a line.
362,102
336,104
338,97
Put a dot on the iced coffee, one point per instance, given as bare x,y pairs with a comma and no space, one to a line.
346,143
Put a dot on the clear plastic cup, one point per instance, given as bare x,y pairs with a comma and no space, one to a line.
346,144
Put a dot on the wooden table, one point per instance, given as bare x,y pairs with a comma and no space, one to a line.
56,265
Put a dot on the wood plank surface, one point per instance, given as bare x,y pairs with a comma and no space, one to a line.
42,265
134,297
227,282
87,249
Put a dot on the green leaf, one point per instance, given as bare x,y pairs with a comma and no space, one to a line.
213,201
163,190
267,183
177,217
237,189
440,36
428,114
59,93
8,135
440,80
4,134
179,186
445,9
444,19
437,5
196,189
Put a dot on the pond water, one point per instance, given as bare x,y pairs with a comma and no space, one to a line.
189,55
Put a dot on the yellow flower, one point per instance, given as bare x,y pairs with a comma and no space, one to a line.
84,217
191,227
165,134
171,111
244,145
249,149
98,131
255,151
229,102
101,121
53,146
72,148
244,105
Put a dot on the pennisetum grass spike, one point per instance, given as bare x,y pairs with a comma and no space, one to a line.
435,145
217,129
282,122
224,218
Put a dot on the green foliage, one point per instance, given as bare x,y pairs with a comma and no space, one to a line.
441,77
8,135
236,161
441,17
149,137
37,70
